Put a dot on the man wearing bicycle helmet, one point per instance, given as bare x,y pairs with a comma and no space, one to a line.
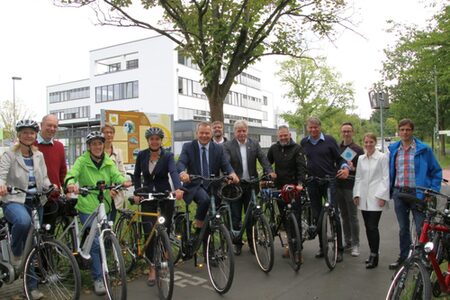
154,165
23,166
88,169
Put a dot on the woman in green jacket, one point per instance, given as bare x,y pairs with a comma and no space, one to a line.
88,169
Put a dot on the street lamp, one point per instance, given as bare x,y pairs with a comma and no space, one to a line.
438,138
14,78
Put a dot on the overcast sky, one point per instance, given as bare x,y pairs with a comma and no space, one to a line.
46,45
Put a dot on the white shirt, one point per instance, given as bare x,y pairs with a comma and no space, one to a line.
372,180
243,149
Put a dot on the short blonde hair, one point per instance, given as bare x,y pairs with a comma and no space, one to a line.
371,136
108,126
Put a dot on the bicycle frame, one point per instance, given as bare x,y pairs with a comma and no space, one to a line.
444,280
252,206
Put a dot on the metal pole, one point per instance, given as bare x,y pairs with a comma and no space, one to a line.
437,112
14,78
381,101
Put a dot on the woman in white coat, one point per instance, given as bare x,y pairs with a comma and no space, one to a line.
371,192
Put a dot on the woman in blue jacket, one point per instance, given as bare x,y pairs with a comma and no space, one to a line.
154,165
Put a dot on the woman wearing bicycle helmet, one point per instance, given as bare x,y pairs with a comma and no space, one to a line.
154,165
24,167
88,169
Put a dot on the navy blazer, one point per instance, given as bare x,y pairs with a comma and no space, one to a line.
189,161
159,179
254,152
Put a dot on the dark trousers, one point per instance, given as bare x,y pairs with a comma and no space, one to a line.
167,208
371,221
236,213
318,191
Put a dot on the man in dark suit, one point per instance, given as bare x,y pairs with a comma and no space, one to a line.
243,153
202,157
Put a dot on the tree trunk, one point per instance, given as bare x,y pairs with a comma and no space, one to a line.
216,101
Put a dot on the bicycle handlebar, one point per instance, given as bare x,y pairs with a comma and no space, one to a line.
13,190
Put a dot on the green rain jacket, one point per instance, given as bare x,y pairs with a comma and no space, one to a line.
86,174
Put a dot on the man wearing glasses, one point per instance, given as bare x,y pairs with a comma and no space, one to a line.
411,163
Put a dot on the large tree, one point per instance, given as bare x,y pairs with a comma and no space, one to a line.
315,89
224,37
417,66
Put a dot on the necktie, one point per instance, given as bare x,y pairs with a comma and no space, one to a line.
205,167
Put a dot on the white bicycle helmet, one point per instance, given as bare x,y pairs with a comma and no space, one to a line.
95,135
27,124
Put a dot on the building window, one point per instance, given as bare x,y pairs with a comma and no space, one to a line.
113,67
73,94
132,64
118,91
265,100
191,88
72,113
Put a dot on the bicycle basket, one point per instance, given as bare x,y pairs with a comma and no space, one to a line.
229,192
289,192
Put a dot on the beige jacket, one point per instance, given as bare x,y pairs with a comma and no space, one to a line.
14,172
117,157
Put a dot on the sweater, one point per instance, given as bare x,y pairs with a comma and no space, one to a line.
347,184
323,158
55,161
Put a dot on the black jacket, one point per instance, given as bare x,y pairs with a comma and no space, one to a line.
290,163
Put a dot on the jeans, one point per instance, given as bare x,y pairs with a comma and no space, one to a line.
96,265
402,211
318,191
349,215
371,221
236,214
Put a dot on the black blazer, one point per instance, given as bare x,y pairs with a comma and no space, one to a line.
159,179
254,152
189,161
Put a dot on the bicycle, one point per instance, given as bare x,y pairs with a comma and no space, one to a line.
97,226
262,238
47,264
426,255
219,250
129,232
329,222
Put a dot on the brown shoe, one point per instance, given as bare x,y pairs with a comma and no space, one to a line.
151,280
285,253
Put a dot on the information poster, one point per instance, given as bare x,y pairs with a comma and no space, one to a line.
130,127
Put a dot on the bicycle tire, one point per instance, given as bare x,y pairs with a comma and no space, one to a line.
411,281
177,237
52,267
294,241
263,243
268,209
115,278
220,259
329,239
128,240
163,265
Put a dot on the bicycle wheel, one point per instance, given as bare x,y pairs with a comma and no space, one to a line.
411,281
115,275
176,237
220,259
268,209
263,243
163,265
128,240
294,241
51,267
329,239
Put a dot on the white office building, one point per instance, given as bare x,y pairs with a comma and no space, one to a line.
150,76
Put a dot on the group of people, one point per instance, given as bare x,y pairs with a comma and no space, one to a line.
368,180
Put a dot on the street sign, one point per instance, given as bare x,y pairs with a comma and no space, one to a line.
446,132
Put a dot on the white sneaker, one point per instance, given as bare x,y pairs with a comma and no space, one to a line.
355,251
99,287
36,294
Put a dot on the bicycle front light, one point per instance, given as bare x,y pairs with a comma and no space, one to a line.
161,220
327,204
47,227
428,247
